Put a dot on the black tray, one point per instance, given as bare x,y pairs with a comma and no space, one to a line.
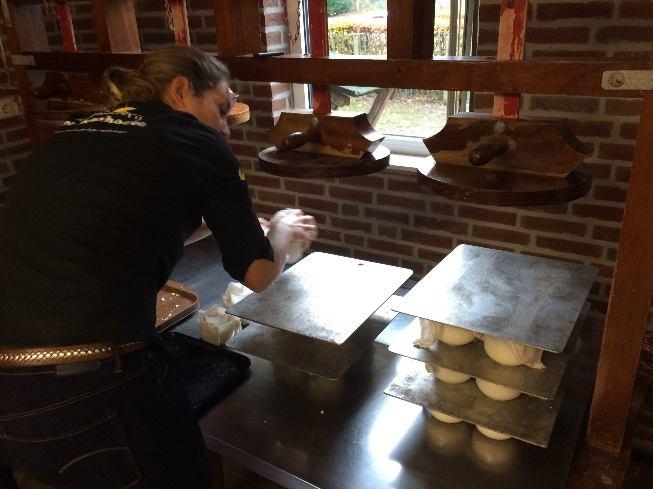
209,373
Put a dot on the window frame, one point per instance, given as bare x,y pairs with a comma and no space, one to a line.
456,101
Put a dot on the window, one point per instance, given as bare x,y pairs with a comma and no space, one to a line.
405,116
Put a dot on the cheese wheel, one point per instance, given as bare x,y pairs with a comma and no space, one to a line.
450,376
445,418
495,435
496,391
509,353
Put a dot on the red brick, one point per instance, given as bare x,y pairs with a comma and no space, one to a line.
557,35
272,38
14,135
494,246
488,36
601,212
389,216
375,257
4,169
435,224
264,181
600,170
614,151
425,239
611,254
8,152
610,193
318,204
275,19
11,122
303,187
351,224
264,209
565,104
277,198
237,134
567,246
354,240
262,90
257,136
364,181
244,150
143,23
279,104
640,9
624,33
442,208
161,37
330,235
626,107
622,174
270,3
264,122
628,130
389,246
431,255
194,21
489,13
388,232
401,202
259,105
483,100
605,271
318,245
501,235
487,215
405,186
351,195
605,233
574,10
349,210
599,305
553,225
598,129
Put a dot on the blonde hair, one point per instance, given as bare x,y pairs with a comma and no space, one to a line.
150,81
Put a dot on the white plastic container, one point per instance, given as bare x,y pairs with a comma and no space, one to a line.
216,326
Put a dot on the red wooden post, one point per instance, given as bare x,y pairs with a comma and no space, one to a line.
512,32
66,24
179,14
318,28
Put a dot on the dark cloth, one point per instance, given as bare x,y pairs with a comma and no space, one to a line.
103,429
96,219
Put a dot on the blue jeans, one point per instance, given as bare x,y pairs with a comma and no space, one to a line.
94,426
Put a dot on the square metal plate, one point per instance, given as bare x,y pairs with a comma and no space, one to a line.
313,356
471,359
324,296
526,418
531,300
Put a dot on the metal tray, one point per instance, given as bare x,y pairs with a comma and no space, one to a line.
526,418
531,300
471,359
174,302
324,296
310,355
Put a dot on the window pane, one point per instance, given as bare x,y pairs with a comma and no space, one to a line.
359,27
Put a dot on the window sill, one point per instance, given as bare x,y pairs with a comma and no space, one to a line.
408,163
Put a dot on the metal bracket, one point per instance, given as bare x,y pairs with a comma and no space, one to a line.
22,60
627,80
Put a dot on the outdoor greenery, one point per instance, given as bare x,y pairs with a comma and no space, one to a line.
339,7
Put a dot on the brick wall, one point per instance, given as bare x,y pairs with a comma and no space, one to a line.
386,217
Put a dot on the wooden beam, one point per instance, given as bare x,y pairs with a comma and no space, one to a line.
115,24
538,76
318,26
630,299
66,25
512,35
410,29
179,13
238,27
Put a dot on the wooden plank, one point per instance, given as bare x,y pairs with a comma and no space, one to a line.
630,299
319,46
66,25
238,27
540,76
512,35
179,13
410,29
115,24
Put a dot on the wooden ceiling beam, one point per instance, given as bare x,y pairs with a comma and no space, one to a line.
115,24
238,26
410,29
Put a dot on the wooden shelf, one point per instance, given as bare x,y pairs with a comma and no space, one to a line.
298,164
489,187
542,76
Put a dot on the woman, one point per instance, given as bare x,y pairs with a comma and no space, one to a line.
92,228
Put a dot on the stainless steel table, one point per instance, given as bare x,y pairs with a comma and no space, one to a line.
304,431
